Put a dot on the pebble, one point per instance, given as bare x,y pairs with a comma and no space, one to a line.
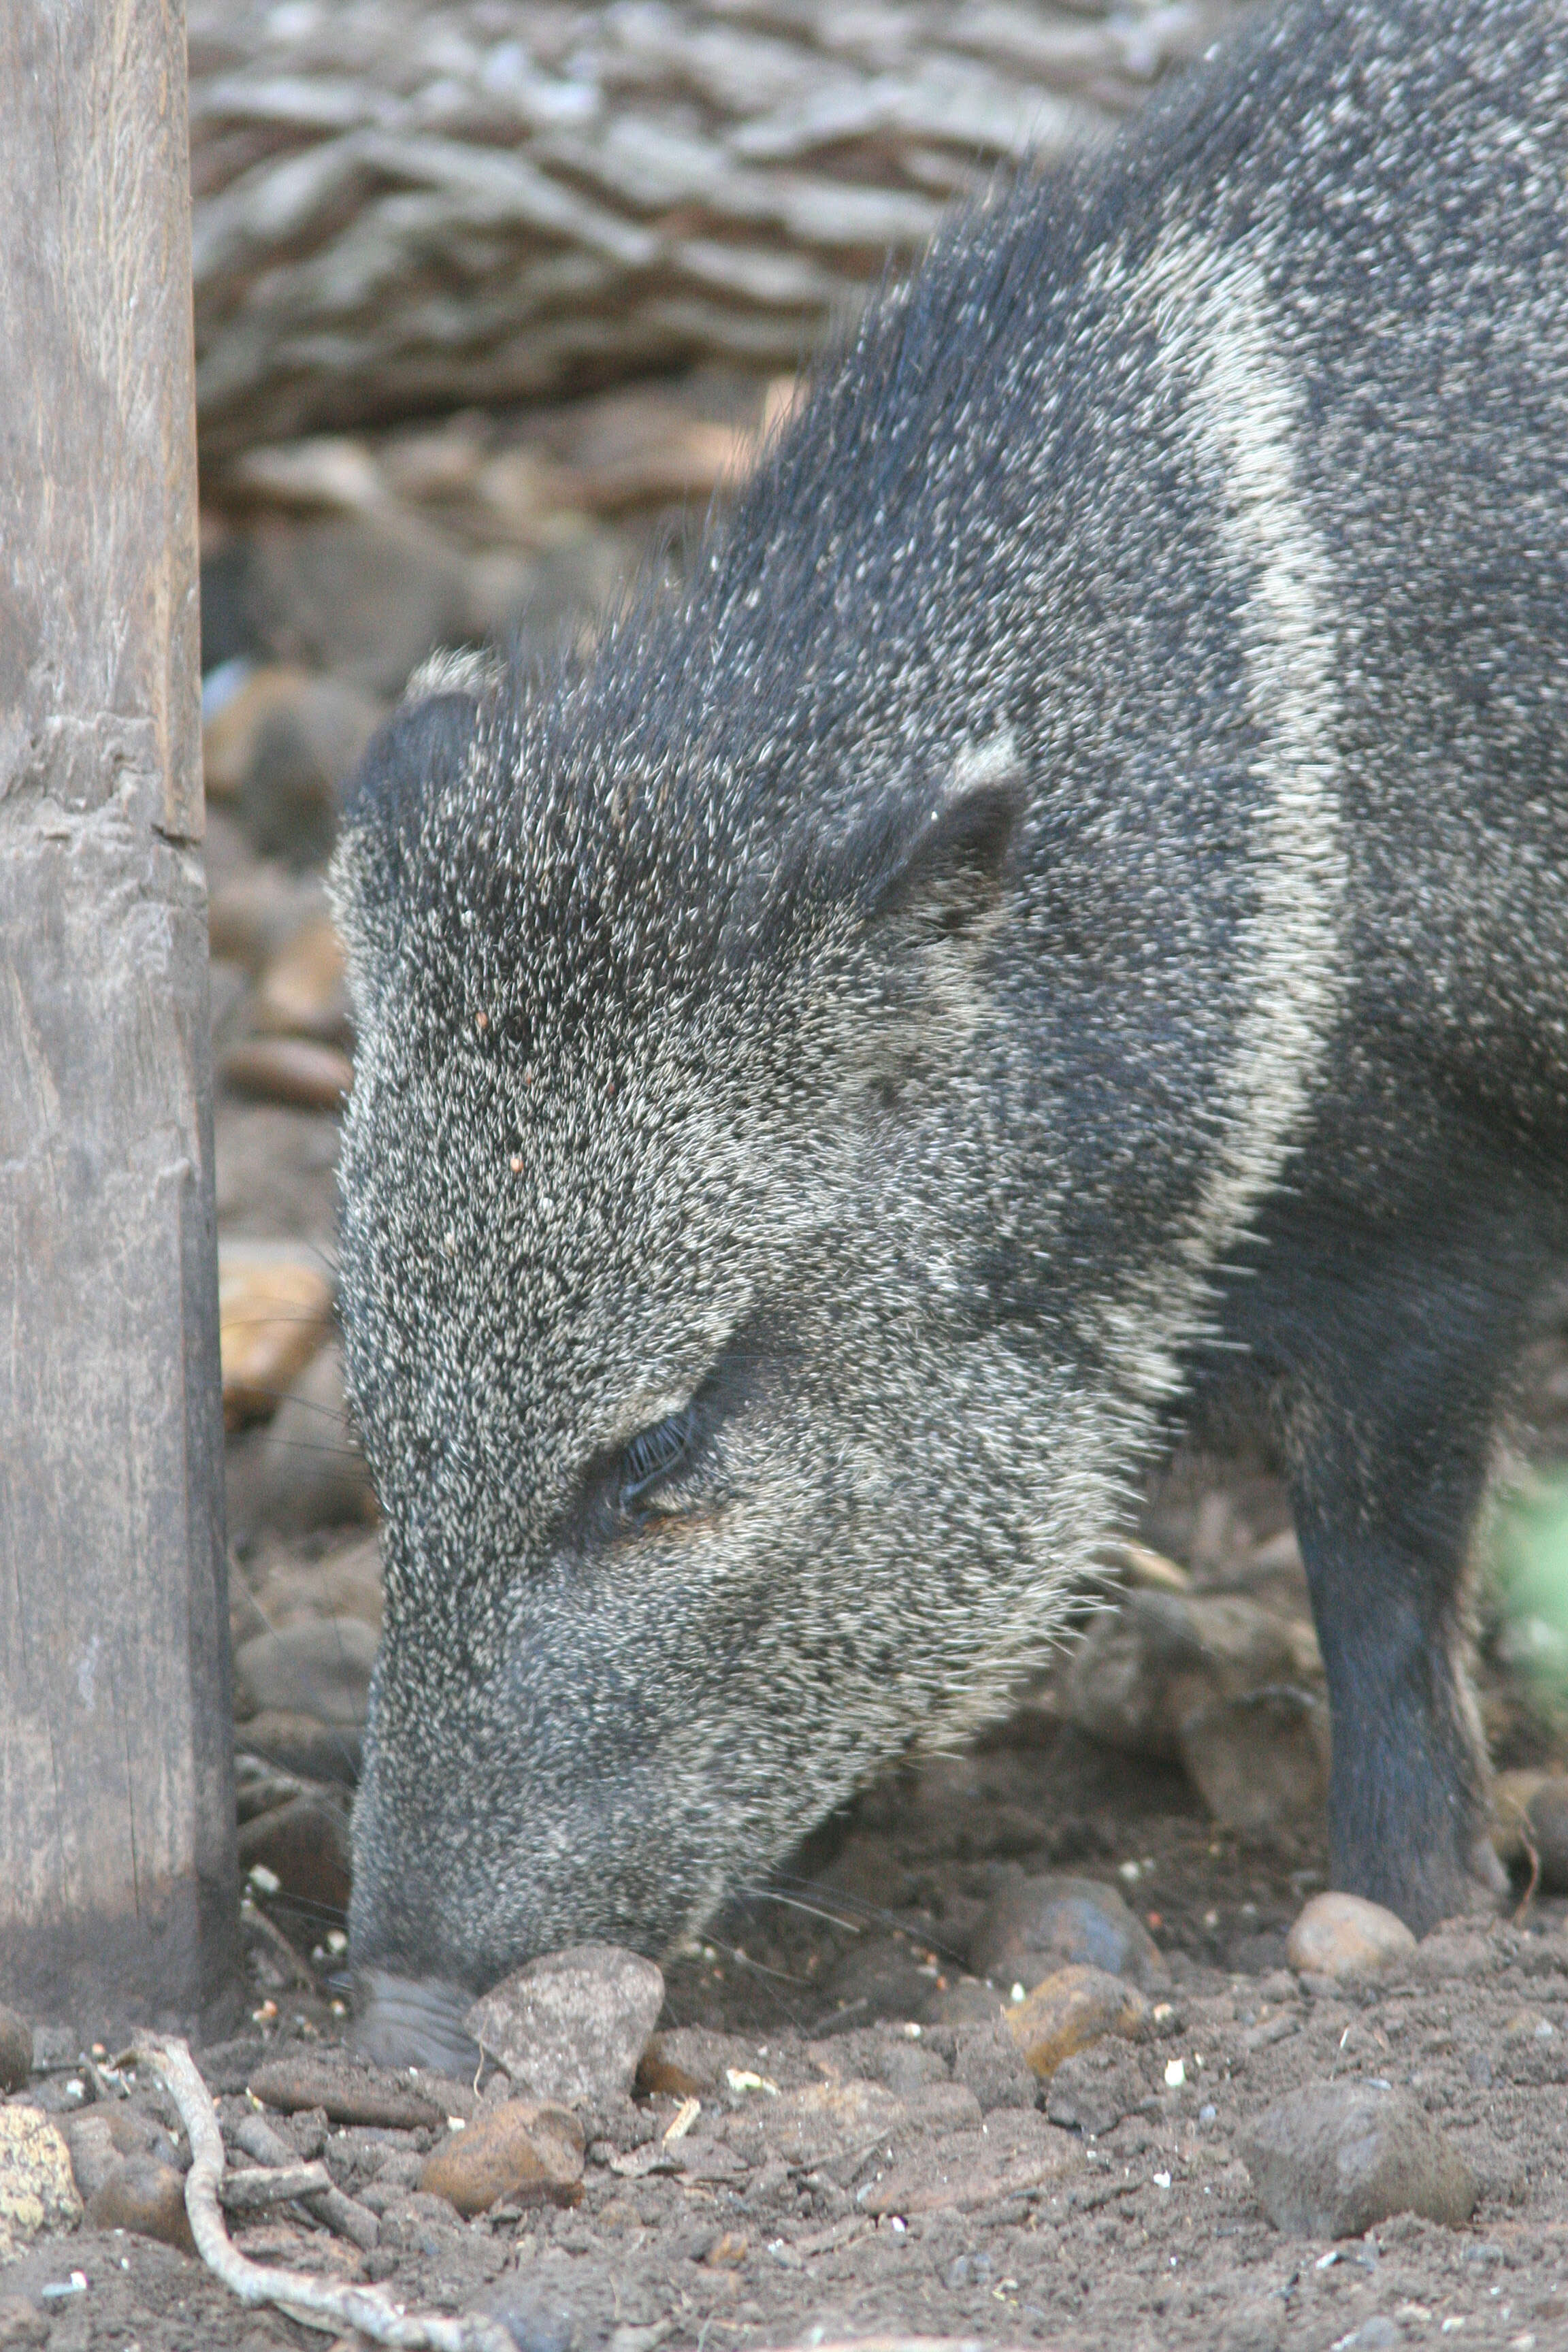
530,2153
1344,1935
230,722
320,1668
347,2095
22,2324
1069,2010
301,753
139,2193
305,1845
303,990
1259,1762
253,917
15,2050
93,2154
302,1744
1095,2088
36,2189
1335,2158
989,2062
367,595
274,1309
1033,1927
1547,1816
310,1471
295,1071
692,2062
1161,1656
570,2027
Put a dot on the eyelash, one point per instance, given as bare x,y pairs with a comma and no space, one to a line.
651,1457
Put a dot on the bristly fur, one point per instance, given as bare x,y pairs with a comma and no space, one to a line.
1114,755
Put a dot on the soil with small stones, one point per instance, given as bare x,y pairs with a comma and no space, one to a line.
868,2157
748,2231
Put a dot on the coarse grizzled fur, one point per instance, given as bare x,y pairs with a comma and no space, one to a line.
1070,904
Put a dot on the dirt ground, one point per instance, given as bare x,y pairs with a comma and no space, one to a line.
923,2187
1014,2228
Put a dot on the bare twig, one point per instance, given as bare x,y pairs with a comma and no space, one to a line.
253,2284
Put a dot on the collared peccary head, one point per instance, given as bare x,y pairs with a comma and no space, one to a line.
673,1349
811,1058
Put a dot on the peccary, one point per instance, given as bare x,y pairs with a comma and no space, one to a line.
1062,919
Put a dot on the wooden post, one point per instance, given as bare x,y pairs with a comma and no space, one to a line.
117,1869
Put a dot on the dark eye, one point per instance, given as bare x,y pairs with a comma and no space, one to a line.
652,1457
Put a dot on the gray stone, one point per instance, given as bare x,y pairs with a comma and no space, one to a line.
1095,2088
1335,2158
311,1472
1164,1656
305,746
1259,1761
1033,1927
989,2060
367,596
1345,1936
570,2027
319,1668
15,2050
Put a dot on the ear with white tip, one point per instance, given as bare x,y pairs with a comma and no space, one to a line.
948,882
932,896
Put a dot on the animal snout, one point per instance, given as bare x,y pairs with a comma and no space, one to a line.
412,2021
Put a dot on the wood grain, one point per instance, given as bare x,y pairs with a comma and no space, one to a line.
409,205
117,1874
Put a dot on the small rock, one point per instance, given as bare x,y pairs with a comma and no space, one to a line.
1547,1817
1072,2007
531,2154
987,2059
302,1746
252,918
1344,1935
92,2151
1161,1656
535,2313
305,1845
311,1473
304,753
22,2324
15,2050
367,596
347,2095
1095,2088
140,2194
570,2027
1259,1761
327,473
1033,1927
293,1070
964,1999
1334,2159
303,990
275,1310
234,710
36,2191
968,2171
320,1667
691,2061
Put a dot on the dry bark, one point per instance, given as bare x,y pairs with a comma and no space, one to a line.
405,208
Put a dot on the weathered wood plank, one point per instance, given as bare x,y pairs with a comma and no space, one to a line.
117,1873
